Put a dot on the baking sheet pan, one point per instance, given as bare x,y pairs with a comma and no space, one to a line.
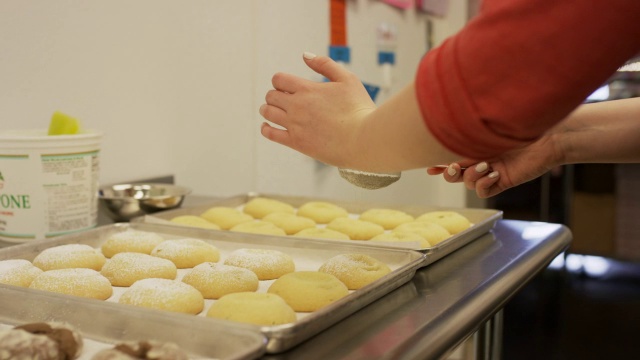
483,220
308,254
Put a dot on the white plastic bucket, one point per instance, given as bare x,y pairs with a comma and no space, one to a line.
48,184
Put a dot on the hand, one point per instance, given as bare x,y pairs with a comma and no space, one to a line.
489,178
319,119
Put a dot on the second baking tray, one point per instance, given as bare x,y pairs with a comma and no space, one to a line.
483,220
308,254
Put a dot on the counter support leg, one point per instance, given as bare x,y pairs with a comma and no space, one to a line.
488,339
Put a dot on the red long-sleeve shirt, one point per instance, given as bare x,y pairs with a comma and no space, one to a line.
521,66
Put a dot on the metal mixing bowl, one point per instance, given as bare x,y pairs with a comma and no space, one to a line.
124,202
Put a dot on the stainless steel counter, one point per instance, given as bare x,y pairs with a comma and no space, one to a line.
447,302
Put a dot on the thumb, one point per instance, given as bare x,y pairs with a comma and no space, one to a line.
326,67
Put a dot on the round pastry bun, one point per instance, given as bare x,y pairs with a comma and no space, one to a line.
290,223
225,217
266,264
124,269
186,253
307,291
356,229
322,212
355,270
259,207
82,282
253,308
432,232
216,280
387,218
164,294
453,221
131,241
68,257
18,272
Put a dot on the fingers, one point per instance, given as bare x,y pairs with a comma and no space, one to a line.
326,67
474,173
286,82
279,136
487,186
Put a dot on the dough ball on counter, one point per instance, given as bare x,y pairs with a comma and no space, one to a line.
453,221
387,218
216,280
266,264
432,232
123,269
290,223
131,241
164,294
186,253
67,339
355,270
396,236
225,217
86,283
253,308
356,229
260,207
195,221
307,291
322,212
322,233
259,227
69,256
151,349
18,272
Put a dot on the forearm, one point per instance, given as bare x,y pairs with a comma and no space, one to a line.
605,132
397,137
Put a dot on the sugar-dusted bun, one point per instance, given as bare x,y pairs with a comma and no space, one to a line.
307,291
453,221
69,256
253,308
290,223
259,227
387,218
79,282
260,207
131,241
322,212
356,229
18,272
186,253
123,269
195,221
225,217
146,349
396,236
164,294
267,264
66,336
432,232
322,233
216,280
355,270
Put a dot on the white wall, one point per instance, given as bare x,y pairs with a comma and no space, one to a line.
175,86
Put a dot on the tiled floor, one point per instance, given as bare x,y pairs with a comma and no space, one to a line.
586,308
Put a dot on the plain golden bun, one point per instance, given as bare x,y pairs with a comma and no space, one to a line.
253,308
